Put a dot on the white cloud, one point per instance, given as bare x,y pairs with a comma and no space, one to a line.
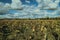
16,4
15,1
47,3
1,4
4,8
32,12
27,1
7,5
28,11
53,4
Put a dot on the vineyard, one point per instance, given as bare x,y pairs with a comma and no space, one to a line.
29,29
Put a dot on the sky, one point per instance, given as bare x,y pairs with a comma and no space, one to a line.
32,2
29,8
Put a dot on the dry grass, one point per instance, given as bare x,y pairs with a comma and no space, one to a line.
31,29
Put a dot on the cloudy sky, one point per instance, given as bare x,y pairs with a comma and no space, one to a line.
29,8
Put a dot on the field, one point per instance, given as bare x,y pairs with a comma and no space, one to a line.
30,29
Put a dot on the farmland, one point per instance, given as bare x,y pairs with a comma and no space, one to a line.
29,29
